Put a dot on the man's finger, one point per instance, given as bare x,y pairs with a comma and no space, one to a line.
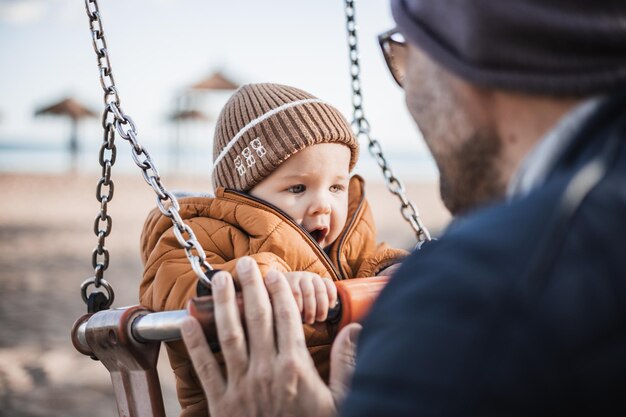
204,362
343,361
258,310
229,329
287,318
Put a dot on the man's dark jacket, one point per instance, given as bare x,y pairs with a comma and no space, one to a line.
520,308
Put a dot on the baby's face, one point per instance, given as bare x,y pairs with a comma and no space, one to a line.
312,188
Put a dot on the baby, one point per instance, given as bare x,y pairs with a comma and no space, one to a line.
284,196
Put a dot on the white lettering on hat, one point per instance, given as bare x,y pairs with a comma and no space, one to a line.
241,169
247,153
258,147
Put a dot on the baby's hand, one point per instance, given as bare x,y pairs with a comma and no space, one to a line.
314,295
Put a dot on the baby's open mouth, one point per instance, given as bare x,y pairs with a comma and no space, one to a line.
319,234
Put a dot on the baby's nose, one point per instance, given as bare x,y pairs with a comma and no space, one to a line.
320,205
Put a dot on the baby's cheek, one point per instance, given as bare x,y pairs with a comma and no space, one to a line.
336,226
341,216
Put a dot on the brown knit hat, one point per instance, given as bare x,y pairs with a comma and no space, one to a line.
262,125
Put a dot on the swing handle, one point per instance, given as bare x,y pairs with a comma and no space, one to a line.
355,297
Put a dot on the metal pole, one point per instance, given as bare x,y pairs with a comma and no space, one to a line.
107,336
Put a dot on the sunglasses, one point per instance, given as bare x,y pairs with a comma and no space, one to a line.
395,52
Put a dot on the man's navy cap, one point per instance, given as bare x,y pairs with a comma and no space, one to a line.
561,47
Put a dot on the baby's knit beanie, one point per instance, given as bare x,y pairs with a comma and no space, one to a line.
262,125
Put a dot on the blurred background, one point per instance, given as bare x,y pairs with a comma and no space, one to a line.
175,64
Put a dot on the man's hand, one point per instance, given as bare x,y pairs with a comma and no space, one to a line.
272,372
314,295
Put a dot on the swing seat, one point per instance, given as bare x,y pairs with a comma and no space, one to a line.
127,340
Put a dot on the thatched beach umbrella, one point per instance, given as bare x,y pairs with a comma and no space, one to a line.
73,110
216,81
180,117
192,98
189,115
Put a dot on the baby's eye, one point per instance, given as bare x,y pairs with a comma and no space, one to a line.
336,188
296,189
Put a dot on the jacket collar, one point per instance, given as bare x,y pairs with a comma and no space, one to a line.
542,159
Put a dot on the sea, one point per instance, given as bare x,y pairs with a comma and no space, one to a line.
408,165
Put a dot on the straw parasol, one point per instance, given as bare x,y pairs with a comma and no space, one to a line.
216,81
189,115
73,110
191,99
183,117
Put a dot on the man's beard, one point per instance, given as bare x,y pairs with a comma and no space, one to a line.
466,150
469,177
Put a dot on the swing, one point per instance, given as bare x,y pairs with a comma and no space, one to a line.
127,340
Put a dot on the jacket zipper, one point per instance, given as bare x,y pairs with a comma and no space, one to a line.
271,207
348,230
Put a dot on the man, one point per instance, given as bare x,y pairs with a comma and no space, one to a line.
517,309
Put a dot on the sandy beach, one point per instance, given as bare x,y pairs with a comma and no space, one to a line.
46,240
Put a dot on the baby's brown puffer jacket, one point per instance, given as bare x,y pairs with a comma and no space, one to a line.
234,224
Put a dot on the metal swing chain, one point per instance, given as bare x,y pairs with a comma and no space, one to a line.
114,119
361,126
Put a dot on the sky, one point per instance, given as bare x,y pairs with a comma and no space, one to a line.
158,48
